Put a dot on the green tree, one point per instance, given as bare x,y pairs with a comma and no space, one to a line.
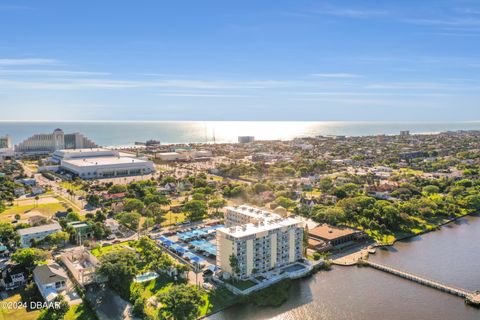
120,267
234,264
117,188
130,220
56,313
217,204
134,205
8,235
182,302
195,209
73,216
93,200
430,189
285,202
29,258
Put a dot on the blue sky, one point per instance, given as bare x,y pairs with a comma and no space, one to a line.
240,60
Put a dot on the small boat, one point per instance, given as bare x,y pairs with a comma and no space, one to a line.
372,250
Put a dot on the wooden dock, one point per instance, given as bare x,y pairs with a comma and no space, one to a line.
470,297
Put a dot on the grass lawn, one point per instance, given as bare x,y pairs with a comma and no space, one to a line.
80,312
216,300
17,314
172,218
215,178
77,188
243,284
99,251
153,287
47,210
312,194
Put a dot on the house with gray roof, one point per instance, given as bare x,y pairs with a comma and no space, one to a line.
37,233
51,280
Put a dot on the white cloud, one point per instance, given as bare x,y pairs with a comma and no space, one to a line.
199,95
27,62
450,22
47,73
336,75
350,12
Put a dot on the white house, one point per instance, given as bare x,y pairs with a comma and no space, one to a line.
37,233
50,279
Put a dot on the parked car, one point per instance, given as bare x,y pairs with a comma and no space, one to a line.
207,286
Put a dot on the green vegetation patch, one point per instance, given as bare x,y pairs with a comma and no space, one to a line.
80,312
16,313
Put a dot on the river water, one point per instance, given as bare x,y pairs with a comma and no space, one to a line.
450,255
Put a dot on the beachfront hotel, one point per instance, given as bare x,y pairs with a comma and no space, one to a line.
261,240
50,142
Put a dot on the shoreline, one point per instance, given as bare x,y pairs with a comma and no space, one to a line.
427,231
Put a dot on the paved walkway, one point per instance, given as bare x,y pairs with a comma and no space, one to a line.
351,259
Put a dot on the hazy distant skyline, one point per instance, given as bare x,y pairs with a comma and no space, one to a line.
246,60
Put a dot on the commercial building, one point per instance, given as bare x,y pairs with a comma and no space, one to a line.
71,154
184,154
171,156
100,163
326,235
6,150
5,142
50,142
246,139
270,242
27,235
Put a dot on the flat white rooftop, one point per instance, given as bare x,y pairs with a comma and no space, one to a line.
102,161
44,228
252,229
87,152
255,213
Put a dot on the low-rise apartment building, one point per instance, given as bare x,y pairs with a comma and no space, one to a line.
27,235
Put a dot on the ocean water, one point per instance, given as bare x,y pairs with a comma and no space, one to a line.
112,133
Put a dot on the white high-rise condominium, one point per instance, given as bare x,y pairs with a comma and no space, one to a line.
260,240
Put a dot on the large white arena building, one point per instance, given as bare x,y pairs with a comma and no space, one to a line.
100,163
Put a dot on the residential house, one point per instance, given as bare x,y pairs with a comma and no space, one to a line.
13,277
28,235
81,264
50,279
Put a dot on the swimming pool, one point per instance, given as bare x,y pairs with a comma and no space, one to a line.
146,277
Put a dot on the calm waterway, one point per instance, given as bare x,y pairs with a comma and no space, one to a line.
450,255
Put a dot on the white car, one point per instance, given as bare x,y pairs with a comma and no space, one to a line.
207,286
